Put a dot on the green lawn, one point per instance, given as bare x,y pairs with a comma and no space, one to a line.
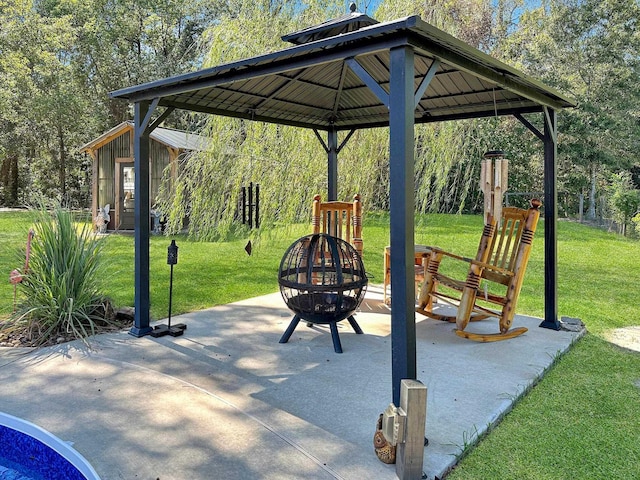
580,422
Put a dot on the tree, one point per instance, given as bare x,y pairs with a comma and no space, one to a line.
447,156
281,159
120,43
37,98
58,61
590,49
624,200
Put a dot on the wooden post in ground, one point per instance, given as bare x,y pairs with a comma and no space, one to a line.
410,453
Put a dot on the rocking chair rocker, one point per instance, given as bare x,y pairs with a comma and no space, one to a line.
501,260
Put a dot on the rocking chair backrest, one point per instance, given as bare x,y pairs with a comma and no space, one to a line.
511,245
339,219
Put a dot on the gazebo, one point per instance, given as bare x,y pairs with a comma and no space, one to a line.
347,74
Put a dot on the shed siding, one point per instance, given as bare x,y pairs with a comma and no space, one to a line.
106,155
159,159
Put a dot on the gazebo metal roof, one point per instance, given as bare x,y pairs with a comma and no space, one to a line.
394,74
327,83
346,23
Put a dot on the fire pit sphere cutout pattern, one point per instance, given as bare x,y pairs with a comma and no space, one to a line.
322,280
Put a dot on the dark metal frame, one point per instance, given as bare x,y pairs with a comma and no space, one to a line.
391,92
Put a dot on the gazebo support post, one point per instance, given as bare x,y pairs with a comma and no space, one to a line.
332,150
142,116
332,165
410,451
550,140
401,203
550,221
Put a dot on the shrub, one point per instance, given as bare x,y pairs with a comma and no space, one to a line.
636,223
624,200
61,289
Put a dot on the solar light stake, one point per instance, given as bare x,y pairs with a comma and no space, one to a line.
172,259
176,330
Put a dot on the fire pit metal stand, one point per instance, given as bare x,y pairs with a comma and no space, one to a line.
322,280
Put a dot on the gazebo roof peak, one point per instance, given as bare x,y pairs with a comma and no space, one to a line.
349,22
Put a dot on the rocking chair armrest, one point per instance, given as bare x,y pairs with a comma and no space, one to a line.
451,255
488,266
473,261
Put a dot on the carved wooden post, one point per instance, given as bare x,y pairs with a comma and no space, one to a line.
357,224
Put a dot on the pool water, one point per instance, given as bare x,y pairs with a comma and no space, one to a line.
23,457
10,470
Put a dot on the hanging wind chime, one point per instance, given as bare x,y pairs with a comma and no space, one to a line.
494,173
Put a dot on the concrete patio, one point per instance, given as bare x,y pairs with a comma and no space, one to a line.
227,401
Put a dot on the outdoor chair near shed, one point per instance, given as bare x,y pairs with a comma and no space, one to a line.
493,278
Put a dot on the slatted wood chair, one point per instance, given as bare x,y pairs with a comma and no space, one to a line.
339,219
342,220
500,263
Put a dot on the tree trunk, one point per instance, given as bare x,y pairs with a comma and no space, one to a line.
591,214
9,179
62,173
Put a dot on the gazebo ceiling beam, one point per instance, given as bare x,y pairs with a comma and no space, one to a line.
321,124
530,126
338,93
368,80
424,84
146,120
163,116
359,123
262,99
455,96
286,84
430,117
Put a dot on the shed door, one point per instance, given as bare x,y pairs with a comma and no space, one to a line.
125,200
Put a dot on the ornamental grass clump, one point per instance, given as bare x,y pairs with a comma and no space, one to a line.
60,291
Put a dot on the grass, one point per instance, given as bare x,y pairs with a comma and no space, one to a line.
580,422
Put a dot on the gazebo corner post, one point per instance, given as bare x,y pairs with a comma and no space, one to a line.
410,451
550,138
142,114
401,206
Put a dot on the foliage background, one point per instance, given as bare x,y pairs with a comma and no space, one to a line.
60,58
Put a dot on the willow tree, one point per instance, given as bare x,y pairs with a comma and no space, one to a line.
448,155
289,163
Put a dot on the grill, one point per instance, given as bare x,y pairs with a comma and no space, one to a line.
322,280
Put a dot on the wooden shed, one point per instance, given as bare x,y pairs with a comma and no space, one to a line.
113,169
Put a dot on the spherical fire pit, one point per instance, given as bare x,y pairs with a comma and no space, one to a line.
322,280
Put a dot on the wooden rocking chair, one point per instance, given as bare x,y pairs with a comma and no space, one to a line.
339,219
501,260
342,220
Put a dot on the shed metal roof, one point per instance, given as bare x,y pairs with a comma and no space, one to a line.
327,83
177,139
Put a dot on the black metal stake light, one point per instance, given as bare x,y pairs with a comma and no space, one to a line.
178,329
